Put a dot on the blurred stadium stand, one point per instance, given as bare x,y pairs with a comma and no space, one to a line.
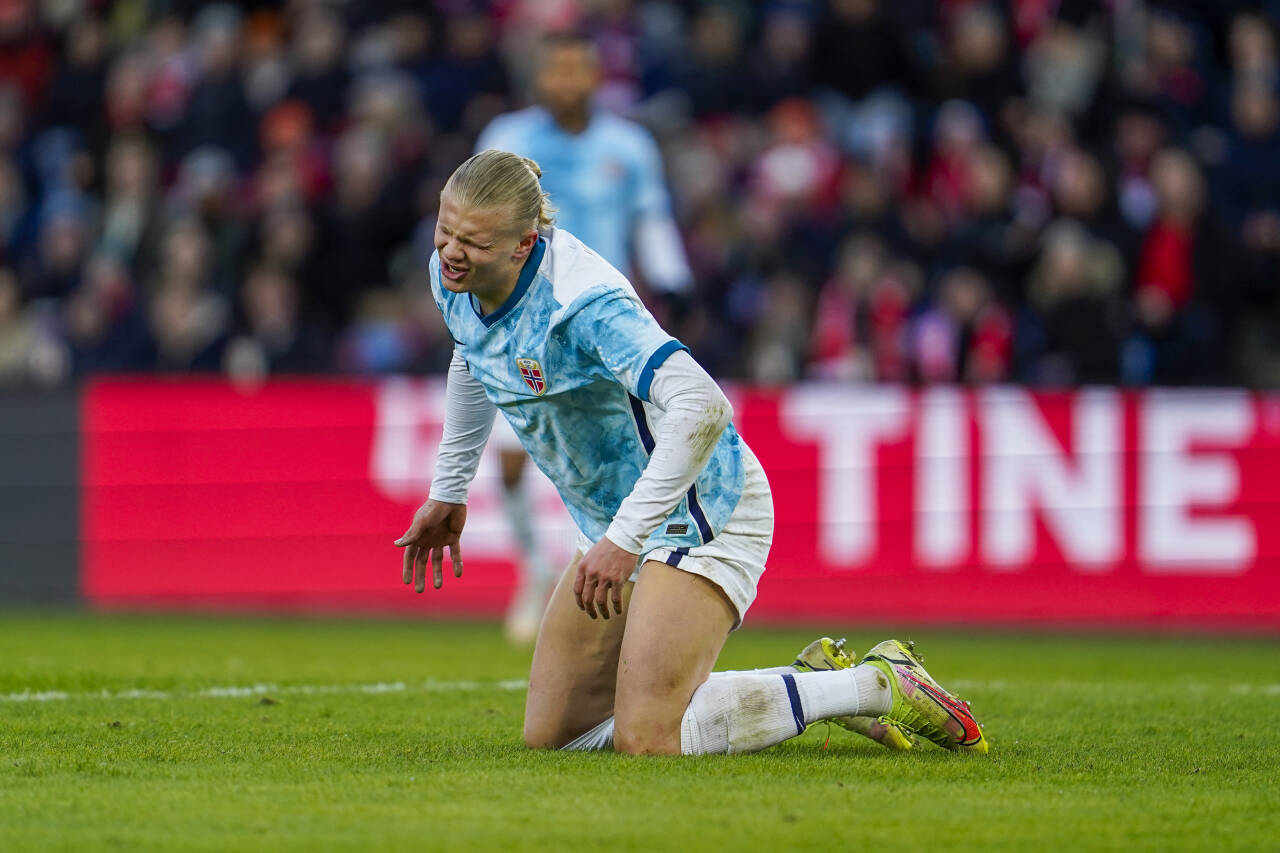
1050,192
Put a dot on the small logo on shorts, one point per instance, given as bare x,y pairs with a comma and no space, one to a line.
677,529
531,372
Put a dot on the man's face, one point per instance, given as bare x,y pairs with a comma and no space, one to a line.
481,250
567,77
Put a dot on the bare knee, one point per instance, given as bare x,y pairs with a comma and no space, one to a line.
536,737
552,732
647,737
648,712
551,725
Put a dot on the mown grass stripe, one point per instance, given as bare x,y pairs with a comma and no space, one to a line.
244,691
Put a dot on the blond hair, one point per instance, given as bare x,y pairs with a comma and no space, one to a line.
496,179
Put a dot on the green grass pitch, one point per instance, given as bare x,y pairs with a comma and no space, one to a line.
151,733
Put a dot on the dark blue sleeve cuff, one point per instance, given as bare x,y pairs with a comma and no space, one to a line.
655,361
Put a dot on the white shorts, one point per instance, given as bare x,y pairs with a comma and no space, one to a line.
734,560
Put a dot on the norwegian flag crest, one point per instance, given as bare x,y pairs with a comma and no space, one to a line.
531,372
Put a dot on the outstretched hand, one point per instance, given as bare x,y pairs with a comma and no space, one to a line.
601,573
436,526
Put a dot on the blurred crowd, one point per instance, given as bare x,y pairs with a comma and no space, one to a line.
1053,192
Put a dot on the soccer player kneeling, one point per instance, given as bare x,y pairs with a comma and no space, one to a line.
674,511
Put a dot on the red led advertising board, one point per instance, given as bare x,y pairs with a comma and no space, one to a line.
995,505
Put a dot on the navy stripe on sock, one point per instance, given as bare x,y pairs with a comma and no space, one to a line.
794,695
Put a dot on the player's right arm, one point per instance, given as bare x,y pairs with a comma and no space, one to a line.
438,523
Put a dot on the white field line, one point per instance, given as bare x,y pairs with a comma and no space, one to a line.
961,685
250,690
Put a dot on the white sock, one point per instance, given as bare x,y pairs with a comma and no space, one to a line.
601,737
864,689
748,712
768,670
533,565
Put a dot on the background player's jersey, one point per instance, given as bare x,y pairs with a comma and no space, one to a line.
602,180
569,359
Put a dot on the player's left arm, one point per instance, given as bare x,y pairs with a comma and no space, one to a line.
696,413
657,244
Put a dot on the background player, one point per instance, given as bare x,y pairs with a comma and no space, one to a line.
604,176
675,513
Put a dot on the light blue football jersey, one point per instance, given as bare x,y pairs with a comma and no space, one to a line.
568,359
601,180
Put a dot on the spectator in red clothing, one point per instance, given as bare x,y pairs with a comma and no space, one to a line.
862,315
966,336
294,165
25,56
799,171
958,136
1181,268
838,350
1165,274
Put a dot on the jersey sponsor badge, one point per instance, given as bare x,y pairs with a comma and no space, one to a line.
531,372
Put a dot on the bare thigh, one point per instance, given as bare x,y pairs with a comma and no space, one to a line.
575,669
677,623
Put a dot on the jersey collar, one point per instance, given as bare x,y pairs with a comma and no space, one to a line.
527,272
550,121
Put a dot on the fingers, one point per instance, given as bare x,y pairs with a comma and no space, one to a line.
420,570
617,599
589,597
579,581
602,598
420,547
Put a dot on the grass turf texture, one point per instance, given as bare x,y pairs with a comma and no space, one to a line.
1097,743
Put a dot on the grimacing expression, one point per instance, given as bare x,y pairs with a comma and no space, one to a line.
481,249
